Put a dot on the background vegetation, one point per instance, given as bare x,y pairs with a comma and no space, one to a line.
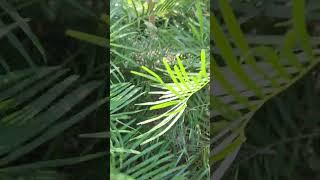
52,90
266,90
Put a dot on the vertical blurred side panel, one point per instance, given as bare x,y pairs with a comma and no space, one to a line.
257,73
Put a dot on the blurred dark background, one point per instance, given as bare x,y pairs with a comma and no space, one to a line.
49,21
283,136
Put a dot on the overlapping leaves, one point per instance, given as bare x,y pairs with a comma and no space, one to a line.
37,105
173,96
244,84
32,105
127,157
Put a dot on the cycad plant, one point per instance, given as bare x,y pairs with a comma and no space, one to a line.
168,136
172,103
173,95
127,156
245,78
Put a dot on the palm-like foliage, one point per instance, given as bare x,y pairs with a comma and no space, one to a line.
197,37
29,119
119,32
279,135
37,105
178,97
6,30
174,95
126,156
121,94
244,85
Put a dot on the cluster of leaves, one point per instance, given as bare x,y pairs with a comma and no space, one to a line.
254,69
49,92
174,142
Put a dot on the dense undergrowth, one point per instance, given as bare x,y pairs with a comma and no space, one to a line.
52,90
170,40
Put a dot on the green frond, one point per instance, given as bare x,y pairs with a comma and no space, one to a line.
24,26
32,103
175,95
242,88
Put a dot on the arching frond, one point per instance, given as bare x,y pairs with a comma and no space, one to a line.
242,86
127,156
173,95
